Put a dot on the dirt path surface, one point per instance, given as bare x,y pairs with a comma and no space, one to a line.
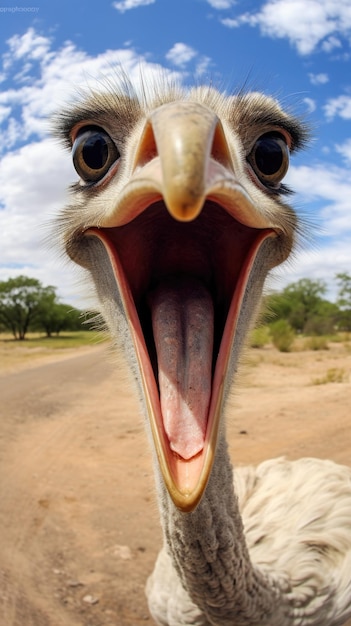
79,528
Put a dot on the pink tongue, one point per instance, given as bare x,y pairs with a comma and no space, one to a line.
182,320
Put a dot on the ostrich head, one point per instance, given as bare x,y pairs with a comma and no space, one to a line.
178,216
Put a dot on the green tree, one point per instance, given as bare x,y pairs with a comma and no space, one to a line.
54,316
301,304
323,320
343,280
21,300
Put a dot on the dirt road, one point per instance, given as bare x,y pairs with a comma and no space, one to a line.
79,529
77,518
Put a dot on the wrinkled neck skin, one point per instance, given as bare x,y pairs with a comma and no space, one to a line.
209,553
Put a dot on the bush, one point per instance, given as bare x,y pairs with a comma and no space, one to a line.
259,337
333,375
318,325
343,337
282,335
316,343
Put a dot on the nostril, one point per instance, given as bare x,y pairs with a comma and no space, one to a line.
147,149
220,149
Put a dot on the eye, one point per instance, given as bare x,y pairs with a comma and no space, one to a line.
93,153
269,158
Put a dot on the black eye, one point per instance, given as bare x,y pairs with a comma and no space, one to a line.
93,153
269,158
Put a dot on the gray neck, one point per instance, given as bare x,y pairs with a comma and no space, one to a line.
209,552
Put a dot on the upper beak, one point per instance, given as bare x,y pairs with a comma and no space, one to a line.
185,135
183,159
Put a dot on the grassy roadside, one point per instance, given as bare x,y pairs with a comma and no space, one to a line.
14,354
64,340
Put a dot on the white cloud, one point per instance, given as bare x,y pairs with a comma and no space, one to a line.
33,182
221,4
329,187
323,193
180,54
310,104
317,262
202,66
340,106
126,5
34,176
319,79
331,43
4,112
234,22
305,23
56,77
30,45
345,150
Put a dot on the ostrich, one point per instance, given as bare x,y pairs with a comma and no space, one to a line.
179,214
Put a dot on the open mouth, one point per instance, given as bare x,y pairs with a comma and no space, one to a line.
182,285
184,237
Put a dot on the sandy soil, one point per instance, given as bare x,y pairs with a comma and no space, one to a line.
79,529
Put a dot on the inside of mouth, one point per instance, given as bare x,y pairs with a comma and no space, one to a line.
182,277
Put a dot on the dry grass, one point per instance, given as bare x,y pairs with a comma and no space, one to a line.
18,354
333,375
316,343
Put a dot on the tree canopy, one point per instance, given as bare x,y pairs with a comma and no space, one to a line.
343,280
303,306
25,304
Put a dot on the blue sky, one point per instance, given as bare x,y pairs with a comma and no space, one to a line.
297,50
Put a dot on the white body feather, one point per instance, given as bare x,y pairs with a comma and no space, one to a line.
297,522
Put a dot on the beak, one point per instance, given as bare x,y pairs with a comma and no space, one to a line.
184,136
183,239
